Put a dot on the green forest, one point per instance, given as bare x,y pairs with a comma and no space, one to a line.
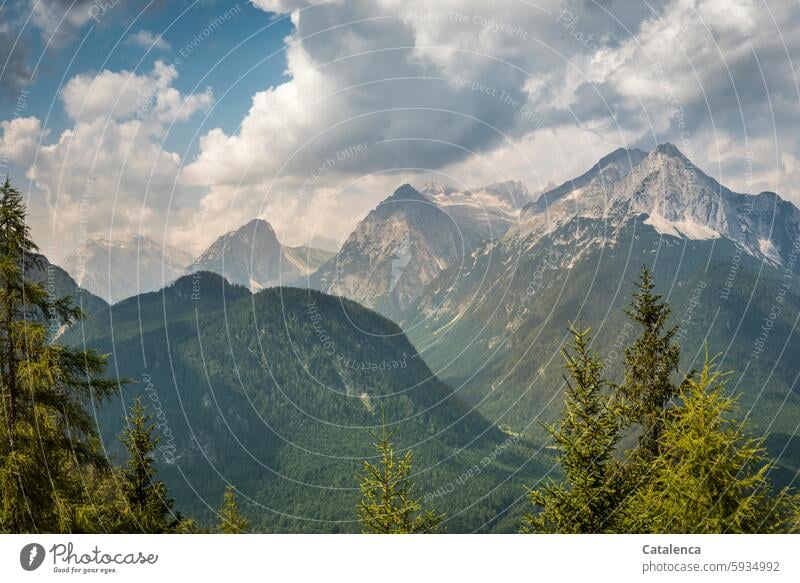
658,450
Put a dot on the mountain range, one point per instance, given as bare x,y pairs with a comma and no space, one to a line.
117,269
412,237
250,255
488,313
275,389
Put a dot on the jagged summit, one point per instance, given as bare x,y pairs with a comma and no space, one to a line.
674,196
406,192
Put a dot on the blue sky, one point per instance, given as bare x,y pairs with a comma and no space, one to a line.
241,57
121,133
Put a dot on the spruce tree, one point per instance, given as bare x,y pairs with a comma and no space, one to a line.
586,499
710,476
231,520
650,364
147,506
389,504
47,439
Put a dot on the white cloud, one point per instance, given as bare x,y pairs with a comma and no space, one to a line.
479,91
20,139
147,40
59,20
123,94
109,173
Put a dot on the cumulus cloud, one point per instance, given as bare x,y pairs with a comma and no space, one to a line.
464,85
109,174
377,93
123,94
147,40
20,139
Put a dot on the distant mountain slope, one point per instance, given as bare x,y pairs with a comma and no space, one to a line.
59,284
726,261
118,269
276,391
252,256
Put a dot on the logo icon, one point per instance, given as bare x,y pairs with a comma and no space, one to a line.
31,556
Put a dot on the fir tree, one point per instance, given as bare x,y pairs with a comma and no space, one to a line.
650,364
147,506
586,499
710,476
231,520
47,439
389,504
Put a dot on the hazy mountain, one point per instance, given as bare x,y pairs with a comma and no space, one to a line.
324,243
276,392
726,261
115,270
252,256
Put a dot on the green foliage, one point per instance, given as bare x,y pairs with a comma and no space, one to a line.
389,504
231,520
650,364
702,474
710,477
588,495
147,506
282,353
47,439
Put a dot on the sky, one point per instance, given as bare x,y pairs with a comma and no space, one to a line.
183,120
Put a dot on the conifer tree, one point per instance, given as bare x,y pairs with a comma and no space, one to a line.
389,504
147,506
231,520
47,439
586,499
650,364
710,476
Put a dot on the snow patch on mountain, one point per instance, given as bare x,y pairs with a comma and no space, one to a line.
685,228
